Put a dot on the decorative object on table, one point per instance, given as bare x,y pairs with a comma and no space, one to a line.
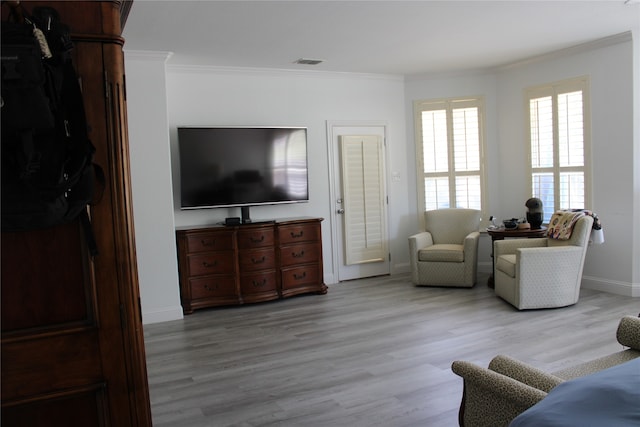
493,225
524,225
534,213
510,224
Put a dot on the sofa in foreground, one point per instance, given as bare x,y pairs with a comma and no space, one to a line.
495,396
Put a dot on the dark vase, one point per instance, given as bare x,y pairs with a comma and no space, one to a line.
535,219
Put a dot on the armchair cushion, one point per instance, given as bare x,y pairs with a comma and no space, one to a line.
443,252
507,264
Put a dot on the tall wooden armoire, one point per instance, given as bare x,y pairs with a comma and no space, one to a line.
72,343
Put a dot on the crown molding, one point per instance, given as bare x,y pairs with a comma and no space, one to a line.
277,72
145,55
573,50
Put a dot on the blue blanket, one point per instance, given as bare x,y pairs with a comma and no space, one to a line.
609,398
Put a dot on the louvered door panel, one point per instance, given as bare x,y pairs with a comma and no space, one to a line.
362,180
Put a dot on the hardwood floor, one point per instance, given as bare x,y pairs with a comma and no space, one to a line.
371,352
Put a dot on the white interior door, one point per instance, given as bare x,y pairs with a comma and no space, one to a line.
361,246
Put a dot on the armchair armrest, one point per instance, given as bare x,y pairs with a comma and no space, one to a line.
534,259
628,333
563,265
420,240
417,242
509,247
524,373
490,398
471,239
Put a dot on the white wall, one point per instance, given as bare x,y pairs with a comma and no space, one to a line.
151,186
161,98
610,70
609,65
215,96
236,97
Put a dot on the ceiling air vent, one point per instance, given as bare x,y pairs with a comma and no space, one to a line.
306,61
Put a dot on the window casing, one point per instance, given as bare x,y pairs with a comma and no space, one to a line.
558,145
449,153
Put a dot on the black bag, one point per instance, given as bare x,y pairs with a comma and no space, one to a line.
47,158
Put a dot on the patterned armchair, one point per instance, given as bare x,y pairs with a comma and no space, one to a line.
494,396
446,254
542,272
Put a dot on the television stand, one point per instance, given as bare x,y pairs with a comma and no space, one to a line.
246,217
249,263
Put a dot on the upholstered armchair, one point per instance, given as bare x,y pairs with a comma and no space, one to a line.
542,272
446,253
494,396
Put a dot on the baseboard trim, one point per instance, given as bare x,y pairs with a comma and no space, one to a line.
162,315
401,268
611,286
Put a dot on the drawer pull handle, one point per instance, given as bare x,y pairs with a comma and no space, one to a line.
300,276
209,264
258,284
296,235
255,240
213,288
208,243
298,254
258,261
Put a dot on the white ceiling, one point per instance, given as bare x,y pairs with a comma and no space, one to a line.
389,37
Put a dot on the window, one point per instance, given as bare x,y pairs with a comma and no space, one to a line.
449,146
558,145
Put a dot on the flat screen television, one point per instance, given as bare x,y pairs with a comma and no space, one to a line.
242,166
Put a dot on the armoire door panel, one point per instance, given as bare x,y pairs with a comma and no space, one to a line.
76,408
45,280
49,364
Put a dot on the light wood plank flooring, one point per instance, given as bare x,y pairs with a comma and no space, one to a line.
371,352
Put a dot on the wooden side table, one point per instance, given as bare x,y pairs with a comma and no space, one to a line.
502,233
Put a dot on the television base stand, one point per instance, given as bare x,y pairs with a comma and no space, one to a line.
246,217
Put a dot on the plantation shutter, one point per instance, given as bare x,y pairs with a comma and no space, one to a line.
363,193
558,146
451,148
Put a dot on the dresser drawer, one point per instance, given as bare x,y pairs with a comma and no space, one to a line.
298,233
299,254
300,276
256,237
212,241
260,259
222,262
258,282
222,286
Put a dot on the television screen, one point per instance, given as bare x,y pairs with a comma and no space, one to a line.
242,166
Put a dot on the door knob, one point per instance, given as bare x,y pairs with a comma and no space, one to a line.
340,211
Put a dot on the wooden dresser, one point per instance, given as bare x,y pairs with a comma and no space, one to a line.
230,265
